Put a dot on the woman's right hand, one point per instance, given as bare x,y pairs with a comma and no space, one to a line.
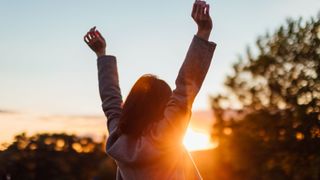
96,42
201,15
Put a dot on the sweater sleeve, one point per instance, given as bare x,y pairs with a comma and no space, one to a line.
109,89
177,113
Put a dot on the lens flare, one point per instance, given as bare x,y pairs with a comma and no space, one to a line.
196,140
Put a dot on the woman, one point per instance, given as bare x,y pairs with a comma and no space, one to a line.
146,131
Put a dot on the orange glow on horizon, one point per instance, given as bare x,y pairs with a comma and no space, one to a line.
196,138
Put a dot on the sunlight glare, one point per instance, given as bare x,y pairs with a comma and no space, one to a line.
197,140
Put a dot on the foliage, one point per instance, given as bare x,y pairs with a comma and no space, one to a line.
276,132
55,156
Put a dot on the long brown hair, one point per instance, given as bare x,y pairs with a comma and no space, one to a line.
144,105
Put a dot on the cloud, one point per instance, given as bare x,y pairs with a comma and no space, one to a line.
2,111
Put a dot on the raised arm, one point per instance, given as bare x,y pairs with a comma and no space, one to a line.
110,93
189,81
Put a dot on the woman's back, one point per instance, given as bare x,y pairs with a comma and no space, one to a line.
159,153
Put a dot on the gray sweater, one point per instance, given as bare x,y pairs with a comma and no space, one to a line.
159,154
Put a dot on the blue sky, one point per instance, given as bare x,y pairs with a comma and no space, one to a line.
45,67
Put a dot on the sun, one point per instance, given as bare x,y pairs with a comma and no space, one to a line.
197,140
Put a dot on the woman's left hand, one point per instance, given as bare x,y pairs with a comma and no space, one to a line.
96,42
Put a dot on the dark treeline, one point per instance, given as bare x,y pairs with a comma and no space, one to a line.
55,156
275,134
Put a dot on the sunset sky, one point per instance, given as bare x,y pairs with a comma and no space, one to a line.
45,67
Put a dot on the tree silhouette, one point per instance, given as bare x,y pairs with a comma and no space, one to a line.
275,133
55,156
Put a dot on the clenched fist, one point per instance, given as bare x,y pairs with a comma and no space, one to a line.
201,15
96,42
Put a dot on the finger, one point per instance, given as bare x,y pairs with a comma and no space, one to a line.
93,29
202,11
194,10
207,10
200,2
197,11
98,33
88,36
86,39
92,34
